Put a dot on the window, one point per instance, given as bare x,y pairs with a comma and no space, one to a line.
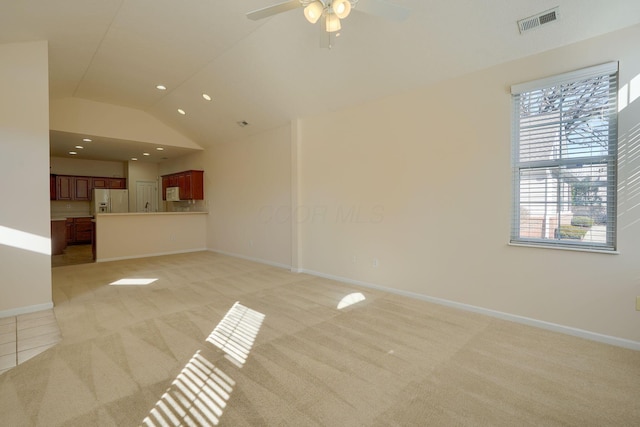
564,160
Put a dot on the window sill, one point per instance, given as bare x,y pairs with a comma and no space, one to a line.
565,248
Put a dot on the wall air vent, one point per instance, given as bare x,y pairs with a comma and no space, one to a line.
542,18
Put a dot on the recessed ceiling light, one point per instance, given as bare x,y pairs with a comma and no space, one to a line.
146,154
134,158
79,147
207,97
73,153
161,87
86,139
181,111
160,149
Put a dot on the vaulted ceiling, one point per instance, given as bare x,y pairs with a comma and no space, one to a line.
270,71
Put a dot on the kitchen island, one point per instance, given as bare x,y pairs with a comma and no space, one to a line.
143,234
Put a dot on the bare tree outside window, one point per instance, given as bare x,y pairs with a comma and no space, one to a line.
564,168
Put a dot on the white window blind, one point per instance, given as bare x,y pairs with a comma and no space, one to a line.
564,135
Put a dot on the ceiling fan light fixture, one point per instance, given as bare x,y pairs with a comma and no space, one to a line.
332,23
341,8
313,11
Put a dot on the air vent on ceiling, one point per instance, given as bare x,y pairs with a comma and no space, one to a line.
542,18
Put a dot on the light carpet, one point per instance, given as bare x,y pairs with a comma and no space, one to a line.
216,340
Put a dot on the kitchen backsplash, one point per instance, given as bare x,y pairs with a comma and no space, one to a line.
69,209
187,206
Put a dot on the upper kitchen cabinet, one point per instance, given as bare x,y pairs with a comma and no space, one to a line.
116,183
82,188
64,187
190,183
52,187
73,187
67,187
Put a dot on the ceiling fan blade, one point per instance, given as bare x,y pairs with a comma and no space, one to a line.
265,12
384,9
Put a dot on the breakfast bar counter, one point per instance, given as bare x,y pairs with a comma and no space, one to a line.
128,235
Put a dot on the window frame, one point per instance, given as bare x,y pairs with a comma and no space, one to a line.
610,160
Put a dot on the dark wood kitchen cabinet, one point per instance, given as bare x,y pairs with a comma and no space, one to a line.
104,182
64,187
81,188
83,230
79,231
165,184
184,183
52,187
191,184
73,187
69,187
118,183
58,240
70,231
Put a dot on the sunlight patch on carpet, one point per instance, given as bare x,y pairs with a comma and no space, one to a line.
236,333
350,299
197,397
200,392
132,282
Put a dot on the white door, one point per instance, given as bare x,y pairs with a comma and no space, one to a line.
146,196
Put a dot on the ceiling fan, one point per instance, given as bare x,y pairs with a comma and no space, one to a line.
330,12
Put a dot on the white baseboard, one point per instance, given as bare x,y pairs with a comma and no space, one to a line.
25,310
248,258
581,333
186,251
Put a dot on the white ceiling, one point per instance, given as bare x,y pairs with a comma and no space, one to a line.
271,71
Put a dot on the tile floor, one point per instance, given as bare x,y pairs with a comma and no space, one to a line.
73,254
25,336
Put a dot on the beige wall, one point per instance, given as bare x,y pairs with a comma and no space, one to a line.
25,265
193,161
412,193
82,116
248,188
422,183
84,167
135,235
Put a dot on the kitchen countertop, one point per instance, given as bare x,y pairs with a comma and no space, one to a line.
150,213
58,217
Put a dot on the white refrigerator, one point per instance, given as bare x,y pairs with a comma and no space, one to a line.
109,201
